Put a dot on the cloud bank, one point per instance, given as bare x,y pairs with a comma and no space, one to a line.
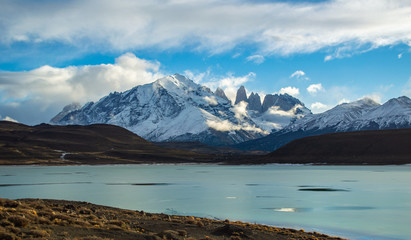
339,26
48,89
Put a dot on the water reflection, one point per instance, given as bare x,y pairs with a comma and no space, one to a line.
289,209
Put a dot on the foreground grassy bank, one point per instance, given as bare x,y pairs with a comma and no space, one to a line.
57,219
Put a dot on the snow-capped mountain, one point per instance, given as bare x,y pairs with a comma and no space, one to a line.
275,112
66,110
171,108
364,114
394,114
339,118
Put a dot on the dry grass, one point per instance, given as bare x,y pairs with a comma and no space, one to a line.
52,219
18,221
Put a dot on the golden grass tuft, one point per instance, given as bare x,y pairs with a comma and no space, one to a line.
18,221
38,233
7,236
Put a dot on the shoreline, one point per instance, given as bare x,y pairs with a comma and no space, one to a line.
189,163
62,219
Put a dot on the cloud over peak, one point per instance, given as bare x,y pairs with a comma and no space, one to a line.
293,91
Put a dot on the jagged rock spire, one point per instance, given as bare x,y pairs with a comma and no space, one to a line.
241,95
254,102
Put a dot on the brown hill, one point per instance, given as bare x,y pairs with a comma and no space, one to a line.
200,147
381,147
92,144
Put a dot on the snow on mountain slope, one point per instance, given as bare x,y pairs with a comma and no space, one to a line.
275,118
364,114
276,111
395,113
170,108
339,117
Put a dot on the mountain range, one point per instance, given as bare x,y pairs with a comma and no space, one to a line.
364,114
174,108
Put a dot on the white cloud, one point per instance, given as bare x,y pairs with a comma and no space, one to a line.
211,100
386,88
229,84
55,87
406,90
343,100
399,56
227,126
318,107
313,89
376,97
197,78
297,74
328,58
221,125
293,91
81,83
347,50
300,75
240,110
215,26
257,59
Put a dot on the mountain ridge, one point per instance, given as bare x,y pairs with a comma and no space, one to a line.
364,114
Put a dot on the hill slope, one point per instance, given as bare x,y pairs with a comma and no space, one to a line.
381,147
73,144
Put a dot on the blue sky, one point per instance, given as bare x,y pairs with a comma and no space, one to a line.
53,53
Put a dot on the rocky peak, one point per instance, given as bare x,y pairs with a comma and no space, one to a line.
285,102
241,95
220,93
254,102
66,110
269,101
403,100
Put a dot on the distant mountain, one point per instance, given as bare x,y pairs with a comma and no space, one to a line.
364,114
66,110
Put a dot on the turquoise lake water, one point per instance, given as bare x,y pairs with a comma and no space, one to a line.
356,202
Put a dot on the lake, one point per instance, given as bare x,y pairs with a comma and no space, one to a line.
357,202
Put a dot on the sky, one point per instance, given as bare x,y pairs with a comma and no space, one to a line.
53,53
